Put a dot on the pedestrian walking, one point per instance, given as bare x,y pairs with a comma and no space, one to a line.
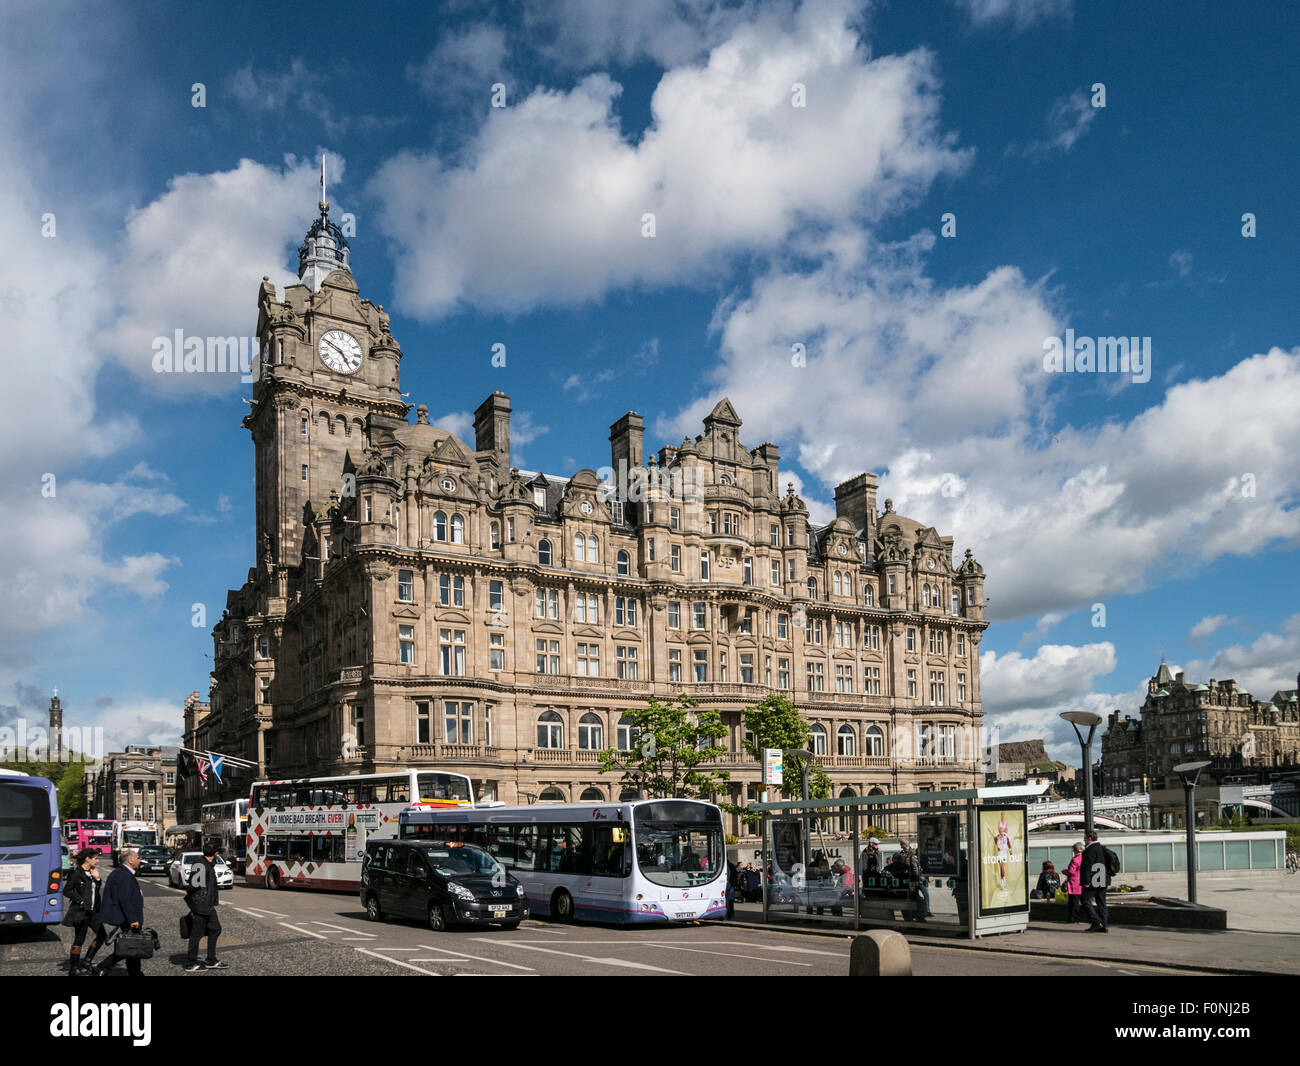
1074,884
1048,881
202,899
83,899
123,907
909,854
1096,879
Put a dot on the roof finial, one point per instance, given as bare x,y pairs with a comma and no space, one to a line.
324,203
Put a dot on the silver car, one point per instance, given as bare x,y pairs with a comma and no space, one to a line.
179,871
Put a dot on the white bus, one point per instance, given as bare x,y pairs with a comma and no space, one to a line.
638,862
226,826
312,833
132,835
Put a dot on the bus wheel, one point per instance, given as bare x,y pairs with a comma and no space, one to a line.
562,906
372,908
437,919
273,877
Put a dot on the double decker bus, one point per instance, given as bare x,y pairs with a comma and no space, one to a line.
226,826
132,835
31,851
312,833
640,862
96,833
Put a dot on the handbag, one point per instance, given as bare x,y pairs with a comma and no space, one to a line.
74,914
135,944
187,924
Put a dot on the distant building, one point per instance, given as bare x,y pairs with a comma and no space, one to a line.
131,785
1245,740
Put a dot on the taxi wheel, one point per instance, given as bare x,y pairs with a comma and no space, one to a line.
372,908
437,919
562,906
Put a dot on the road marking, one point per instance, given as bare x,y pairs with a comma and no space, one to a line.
399,949
340,928
368,939
775,947
399,962
258,912
295,928
728,954
476,958
590,958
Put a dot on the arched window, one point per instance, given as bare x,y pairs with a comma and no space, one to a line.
494,533
579,547
591,734
846,740
544,552
725,479
623,734
956,602
627,795
457,529
593,549
550,730
875,741
818,740
624,564
592,795
812,588
846,819
551,795
848,584
439,526
837,586
925,595
868,596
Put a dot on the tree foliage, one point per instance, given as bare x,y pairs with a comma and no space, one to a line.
775,722
672,743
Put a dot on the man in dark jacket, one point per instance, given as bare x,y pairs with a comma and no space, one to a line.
1096,879
123,907
201,897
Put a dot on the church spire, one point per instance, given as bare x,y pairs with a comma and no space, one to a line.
324,249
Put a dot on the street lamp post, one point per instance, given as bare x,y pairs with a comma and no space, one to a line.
1092,721
1189,772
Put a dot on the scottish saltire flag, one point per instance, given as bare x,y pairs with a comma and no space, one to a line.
216,761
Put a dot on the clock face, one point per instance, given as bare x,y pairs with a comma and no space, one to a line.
340,351
844,549
585,507
929,564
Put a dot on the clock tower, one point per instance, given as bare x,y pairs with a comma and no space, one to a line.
328,379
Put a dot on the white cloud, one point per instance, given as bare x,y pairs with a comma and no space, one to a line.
1209,624
585,33
299,89
727,166
1047,622
1069,118
1020,12
465,61
193,258
1181,261
459,424
1267,664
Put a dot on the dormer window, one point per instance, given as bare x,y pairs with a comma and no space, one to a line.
539,497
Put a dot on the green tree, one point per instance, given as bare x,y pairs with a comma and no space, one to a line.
672,743
775,722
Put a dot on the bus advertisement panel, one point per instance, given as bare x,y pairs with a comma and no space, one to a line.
31,851
312,833
637,862
95,833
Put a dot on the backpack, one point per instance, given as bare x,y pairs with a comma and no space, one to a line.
1112,862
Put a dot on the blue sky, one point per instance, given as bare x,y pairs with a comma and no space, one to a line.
775,225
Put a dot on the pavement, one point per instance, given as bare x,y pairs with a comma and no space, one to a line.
1263,935
298,933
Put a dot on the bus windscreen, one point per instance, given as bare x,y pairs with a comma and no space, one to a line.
24,815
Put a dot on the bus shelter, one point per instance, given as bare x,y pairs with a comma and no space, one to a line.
814,874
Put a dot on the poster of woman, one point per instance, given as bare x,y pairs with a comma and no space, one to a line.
1004,871
936,837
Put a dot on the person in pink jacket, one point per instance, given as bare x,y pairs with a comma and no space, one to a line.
1074,884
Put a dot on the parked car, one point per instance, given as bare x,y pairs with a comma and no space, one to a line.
154,859
178,873
440,882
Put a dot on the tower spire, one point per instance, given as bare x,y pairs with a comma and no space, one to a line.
324,249
324,203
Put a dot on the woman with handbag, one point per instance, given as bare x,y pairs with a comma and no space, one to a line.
82,898
1074,884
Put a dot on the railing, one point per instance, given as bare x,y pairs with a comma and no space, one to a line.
562,755
453,751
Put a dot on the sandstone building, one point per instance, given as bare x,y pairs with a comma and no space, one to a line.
447,609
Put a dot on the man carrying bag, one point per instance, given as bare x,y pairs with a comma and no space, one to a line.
123,908
201,898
